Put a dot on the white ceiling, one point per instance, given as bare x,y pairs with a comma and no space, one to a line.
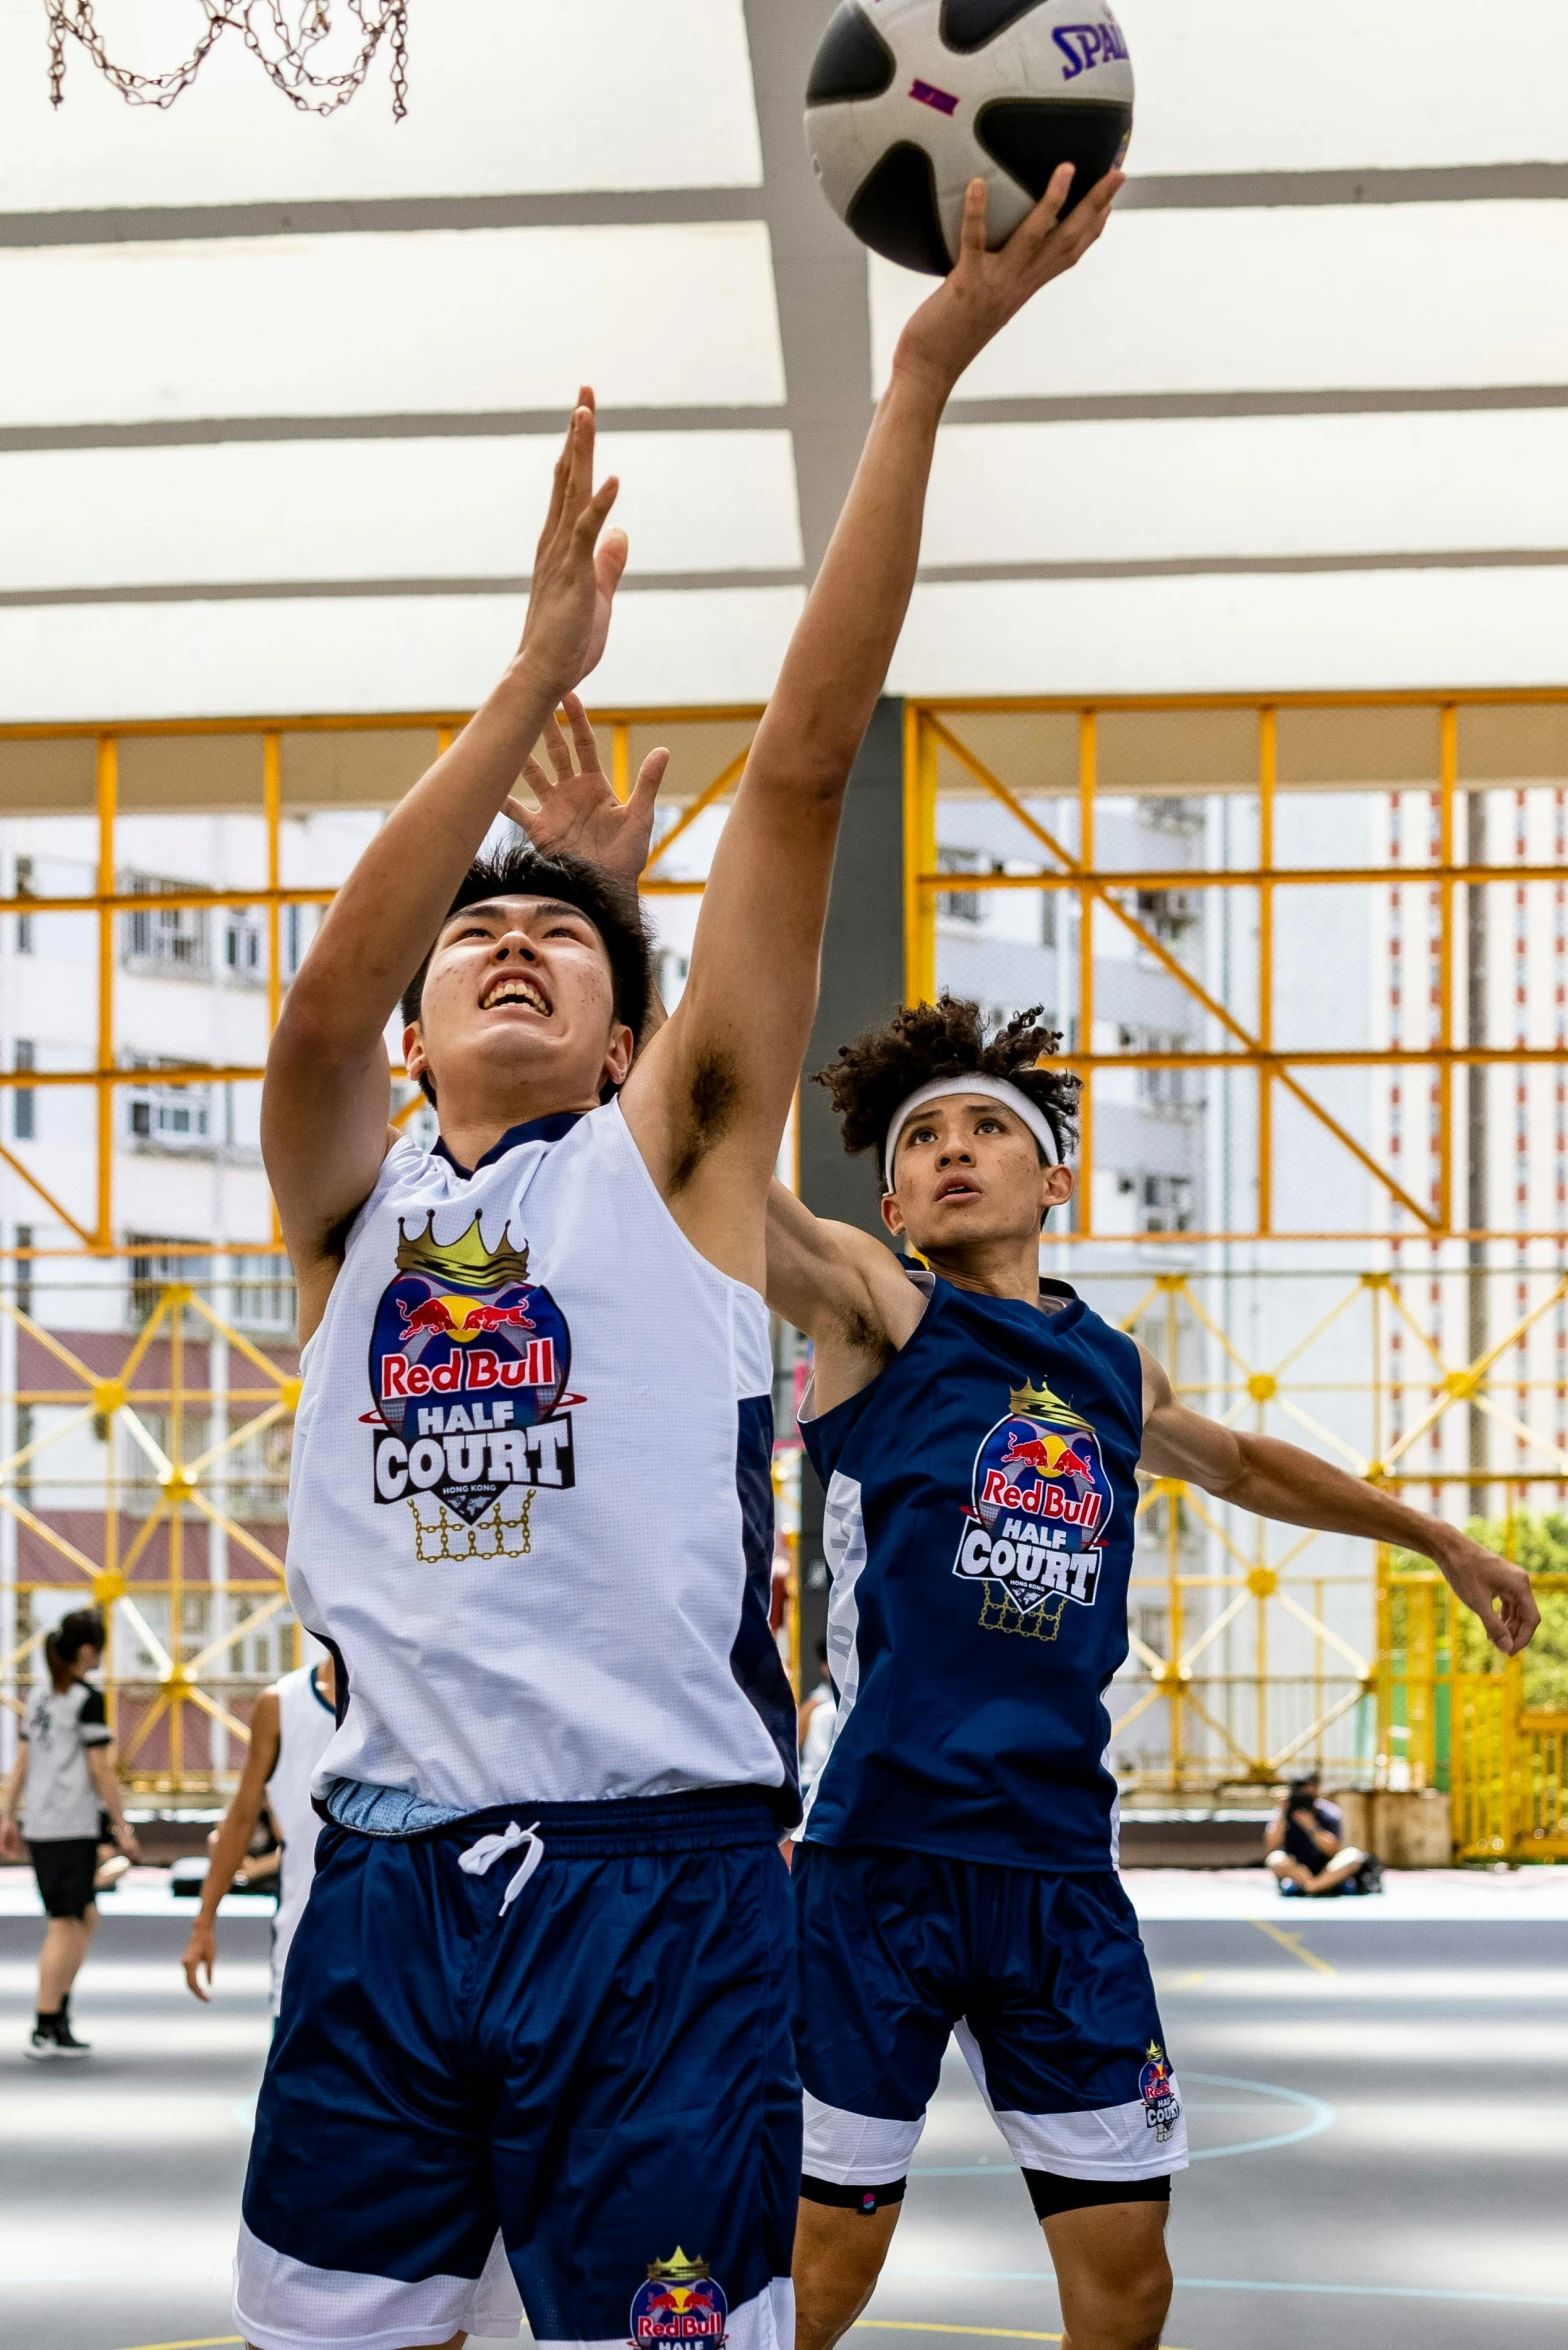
280,395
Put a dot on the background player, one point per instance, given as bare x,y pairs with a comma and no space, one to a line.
63,1786
978,1431
550,1603
289,1733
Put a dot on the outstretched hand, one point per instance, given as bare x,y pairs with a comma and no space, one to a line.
578,813
985,290
576,573
1480,1578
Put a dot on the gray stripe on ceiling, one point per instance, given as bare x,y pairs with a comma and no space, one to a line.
1132,407
1138,406
1218,191
272,591
202,431
1244,191
386,215
820,275
1224,566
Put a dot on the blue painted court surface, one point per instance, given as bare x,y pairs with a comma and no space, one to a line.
1377,2104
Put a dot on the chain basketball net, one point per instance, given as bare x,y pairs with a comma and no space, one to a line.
283,40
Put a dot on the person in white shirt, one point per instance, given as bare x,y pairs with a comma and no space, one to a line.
288,1737
64,1783
816,1721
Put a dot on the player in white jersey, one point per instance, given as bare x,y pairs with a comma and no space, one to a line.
530,1505
289,1732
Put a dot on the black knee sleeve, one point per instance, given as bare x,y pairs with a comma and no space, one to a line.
1051,2194
865,2200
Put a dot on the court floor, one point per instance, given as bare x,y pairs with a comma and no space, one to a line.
1376,2105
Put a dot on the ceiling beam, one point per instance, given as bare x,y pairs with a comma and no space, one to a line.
1208,191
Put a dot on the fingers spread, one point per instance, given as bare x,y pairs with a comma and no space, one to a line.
649,777
555,748
972,229
582,734
610,561
579,469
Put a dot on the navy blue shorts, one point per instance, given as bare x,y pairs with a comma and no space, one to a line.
588,2099
1042,1979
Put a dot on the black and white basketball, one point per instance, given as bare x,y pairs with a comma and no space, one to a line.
909,100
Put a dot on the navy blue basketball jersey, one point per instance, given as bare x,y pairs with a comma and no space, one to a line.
979,1531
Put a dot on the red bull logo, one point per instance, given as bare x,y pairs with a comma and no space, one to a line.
681,2302
1157,2088
468,1366
1039,1507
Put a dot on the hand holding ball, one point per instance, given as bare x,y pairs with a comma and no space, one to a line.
909,100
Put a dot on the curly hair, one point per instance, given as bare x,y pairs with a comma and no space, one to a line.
922,1042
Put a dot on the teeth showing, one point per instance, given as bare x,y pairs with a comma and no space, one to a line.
516,991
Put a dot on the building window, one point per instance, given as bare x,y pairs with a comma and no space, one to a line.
262,1295
963,905
24,1101
153,1269
1050,901
1171,1092
24,889
1164,1201
24,1270
1169,913
299,926
244,945
175,1117
165,939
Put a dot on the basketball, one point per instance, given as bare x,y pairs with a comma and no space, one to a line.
909,100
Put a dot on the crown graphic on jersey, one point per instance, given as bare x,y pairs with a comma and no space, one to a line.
1039,1403
466,1261
677,2270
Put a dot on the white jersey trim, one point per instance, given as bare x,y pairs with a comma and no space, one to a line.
844,1544
284,2304
1110,2142
856,2149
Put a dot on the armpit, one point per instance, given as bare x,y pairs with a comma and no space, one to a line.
712,1105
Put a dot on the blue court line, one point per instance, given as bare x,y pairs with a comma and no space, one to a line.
1045,2276
1320,2117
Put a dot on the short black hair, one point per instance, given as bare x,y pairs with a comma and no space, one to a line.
923,1042
612,908
82,1628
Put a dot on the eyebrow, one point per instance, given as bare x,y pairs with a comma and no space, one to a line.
493,908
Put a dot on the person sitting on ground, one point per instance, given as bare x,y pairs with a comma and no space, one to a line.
1303,1844
65,1772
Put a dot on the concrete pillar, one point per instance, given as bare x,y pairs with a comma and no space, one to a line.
862,983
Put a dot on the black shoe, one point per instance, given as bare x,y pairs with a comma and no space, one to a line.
56,2039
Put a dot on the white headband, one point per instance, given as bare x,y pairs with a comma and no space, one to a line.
993,1089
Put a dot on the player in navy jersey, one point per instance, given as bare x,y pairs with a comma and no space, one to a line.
536,2031
979,1433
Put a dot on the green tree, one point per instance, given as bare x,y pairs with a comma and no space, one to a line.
1538,1542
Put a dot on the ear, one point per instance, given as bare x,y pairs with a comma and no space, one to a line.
415,1059
893,1215
618,1057
1057,1185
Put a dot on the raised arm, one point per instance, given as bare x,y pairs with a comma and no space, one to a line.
1276,1480
326,1096
709,1098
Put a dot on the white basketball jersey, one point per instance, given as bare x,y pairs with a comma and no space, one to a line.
530,1504
305,1725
